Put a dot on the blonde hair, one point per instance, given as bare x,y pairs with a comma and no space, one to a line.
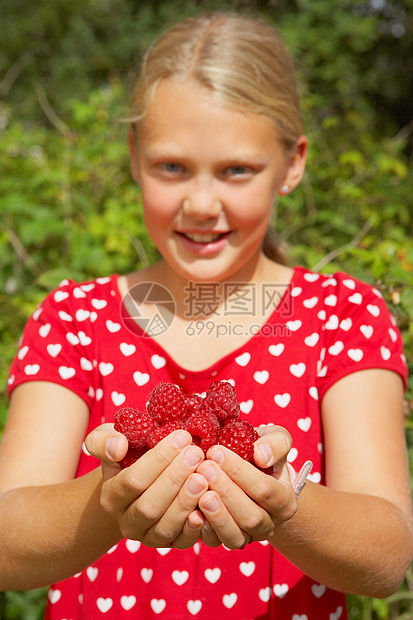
240,59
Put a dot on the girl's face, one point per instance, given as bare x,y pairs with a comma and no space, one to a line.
209,176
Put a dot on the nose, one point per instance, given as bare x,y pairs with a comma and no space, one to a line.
201,201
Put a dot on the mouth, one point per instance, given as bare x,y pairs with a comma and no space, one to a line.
203,237
204,244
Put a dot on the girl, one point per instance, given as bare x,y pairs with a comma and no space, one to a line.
215,136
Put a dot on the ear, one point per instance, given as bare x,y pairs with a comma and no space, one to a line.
134,155
296,166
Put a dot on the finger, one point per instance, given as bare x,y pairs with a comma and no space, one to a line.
173,526
106,444
222,522
119,492
246,513
208,535
272,447
276,497
153,502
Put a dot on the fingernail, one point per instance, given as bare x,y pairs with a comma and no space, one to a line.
191,458
194,487
265,453
212,505
209,473
180,440
217,456
111,447
195,522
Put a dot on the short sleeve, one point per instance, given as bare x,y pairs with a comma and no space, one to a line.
51,347
359,332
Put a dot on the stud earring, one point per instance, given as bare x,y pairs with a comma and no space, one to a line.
285,189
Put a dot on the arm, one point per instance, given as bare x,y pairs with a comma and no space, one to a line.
48,522
52,526
360,526
355,534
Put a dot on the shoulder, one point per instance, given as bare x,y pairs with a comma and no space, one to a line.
71,297
341,293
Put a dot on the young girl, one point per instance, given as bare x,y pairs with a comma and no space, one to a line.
316,360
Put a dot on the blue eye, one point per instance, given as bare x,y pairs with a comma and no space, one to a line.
237,170
172,167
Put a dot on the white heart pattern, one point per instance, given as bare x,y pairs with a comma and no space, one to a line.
180,577
194,607
318,589
127,349
118,398
54,349
247,568
140,378
54,596
31,369
261,377
264,594
282,400
147,574
242,360
246,406
212,574
158,605
104,604
158,361
276,349
310,303
127,602
355,354
297,369
280,589
229,600
304,424
132,545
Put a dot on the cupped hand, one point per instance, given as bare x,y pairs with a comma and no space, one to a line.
244,504
155,499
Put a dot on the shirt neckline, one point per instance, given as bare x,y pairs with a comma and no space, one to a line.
212,370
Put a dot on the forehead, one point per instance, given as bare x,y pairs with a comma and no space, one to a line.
184,111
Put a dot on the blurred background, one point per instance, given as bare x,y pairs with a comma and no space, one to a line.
68,205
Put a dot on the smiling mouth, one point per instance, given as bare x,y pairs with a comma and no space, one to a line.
203,237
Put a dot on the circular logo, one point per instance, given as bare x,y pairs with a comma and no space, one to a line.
148,306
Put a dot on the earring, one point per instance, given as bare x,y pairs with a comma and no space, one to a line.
285,189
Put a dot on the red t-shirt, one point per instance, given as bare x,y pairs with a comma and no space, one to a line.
323,328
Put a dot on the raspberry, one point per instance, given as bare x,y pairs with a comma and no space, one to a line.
204,430
135,425
166,402
221,400
132,456
238,436
159,432
193,403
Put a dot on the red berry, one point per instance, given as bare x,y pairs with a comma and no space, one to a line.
132,456
166,402
238,436
204,430
159,432
193,403
221,400
135,425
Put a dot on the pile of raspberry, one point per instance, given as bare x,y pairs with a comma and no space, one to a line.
211,420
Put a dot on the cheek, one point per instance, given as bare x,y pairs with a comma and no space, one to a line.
159,206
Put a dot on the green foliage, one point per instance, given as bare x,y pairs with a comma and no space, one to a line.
69,207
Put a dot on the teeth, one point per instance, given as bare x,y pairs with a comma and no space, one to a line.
200,238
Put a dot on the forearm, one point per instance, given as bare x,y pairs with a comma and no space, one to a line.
51,532
358,544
